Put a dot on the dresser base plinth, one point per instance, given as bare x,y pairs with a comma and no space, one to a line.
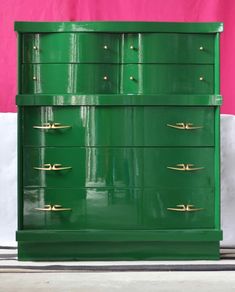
33,246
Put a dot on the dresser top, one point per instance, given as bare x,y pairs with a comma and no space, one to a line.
122,26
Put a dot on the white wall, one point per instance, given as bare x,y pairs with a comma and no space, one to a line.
8,179
228,179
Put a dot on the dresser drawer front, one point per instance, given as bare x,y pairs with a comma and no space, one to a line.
83,209
97,208
118,167
73,48
111,78
70,78
161,208
169,48
118,126
168,79
118,48
48,48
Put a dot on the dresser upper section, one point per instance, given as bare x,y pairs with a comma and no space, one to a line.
140,58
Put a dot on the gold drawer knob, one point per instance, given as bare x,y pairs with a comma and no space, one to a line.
54,126
132,78
184,126
105,77
185,208
201,78
53,208
105,47
54,167
34,78
201,48
184,167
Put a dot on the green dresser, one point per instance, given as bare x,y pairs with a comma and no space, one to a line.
118,140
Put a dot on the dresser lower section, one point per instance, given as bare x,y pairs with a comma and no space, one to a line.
119,245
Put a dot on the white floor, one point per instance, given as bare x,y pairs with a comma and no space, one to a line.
119,281
47,276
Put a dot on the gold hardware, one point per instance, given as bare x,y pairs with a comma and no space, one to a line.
34,78
185,208
52,126
132,47
53,208
105,77
201,48
184,126
49,167
35,48
132,78
184,167
105,47
201,78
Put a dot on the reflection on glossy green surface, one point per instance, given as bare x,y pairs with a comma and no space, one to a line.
118,126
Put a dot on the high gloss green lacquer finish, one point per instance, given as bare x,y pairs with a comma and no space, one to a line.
127,126
113,78
118,48
138,103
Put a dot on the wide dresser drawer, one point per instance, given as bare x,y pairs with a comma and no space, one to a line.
118,126
118,167
100,208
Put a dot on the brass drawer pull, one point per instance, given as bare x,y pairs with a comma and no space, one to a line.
184,126
49,167
185,208
184,167
53,126
53,208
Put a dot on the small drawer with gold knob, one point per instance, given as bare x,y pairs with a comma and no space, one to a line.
169,48
70,78
74,48
167,79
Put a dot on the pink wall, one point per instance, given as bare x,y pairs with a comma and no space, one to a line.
91,10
